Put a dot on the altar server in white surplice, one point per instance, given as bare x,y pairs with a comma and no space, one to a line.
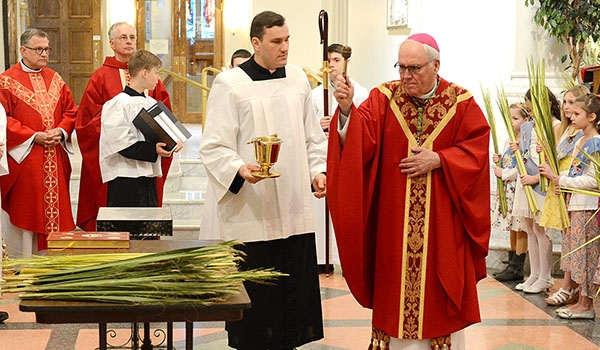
273,216
129,163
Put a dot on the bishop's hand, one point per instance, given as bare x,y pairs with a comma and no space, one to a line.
343,93
421,162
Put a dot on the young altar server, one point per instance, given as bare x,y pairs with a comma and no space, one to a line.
129,163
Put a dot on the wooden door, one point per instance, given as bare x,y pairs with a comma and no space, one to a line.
73,27
180,49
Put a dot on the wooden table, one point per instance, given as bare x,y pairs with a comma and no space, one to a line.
52,311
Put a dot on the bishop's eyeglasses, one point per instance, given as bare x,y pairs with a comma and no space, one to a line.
414,69
40,50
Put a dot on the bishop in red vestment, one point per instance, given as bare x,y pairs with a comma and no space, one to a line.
40,119
106,82
409,194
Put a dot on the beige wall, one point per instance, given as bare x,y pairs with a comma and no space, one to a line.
487,45
114,11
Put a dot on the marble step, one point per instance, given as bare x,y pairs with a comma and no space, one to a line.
192,167
182,168
184,194
190,194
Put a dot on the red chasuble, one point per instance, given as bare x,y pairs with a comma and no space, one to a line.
35,193
106,82
413,249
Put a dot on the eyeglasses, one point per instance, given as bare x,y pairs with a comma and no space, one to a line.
125,37
40,50
412,69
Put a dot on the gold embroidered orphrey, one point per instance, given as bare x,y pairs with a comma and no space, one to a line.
44,102
439,112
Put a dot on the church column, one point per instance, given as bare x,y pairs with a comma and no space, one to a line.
337,12
532,41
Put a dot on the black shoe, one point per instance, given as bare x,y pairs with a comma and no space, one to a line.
511,254
503,271
514,271
509,275
3,316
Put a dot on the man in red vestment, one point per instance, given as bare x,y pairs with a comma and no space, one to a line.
106,82
40,119
409,194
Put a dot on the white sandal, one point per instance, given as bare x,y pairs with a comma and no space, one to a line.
563,297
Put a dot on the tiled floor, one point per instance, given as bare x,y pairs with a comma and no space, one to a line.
510,321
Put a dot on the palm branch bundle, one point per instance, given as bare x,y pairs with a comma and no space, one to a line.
542,116
20,268
192,275
505,112
499,183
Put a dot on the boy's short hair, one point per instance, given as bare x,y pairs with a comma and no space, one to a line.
142,59
335,48
240,53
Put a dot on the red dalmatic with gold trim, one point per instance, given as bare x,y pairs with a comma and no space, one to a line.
35,193
413,249
106,82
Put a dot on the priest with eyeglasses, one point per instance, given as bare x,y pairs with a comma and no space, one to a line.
40,119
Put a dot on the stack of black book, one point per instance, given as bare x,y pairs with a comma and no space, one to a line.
158,124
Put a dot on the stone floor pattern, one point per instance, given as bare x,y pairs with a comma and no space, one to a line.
510,321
